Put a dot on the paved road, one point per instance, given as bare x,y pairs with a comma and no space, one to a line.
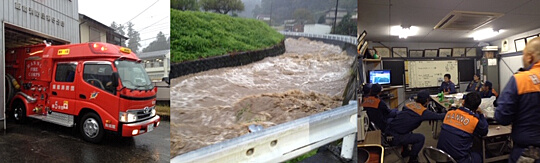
44,142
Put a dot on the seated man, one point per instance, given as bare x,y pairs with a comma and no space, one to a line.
407,120
487,90
377,111
475,85
459,127
447,87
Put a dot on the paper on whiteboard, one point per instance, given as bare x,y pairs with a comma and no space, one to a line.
492,62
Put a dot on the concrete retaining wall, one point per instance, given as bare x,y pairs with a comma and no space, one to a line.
228,60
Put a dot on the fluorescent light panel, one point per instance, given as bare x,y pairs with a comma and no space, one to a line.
403,32
485,33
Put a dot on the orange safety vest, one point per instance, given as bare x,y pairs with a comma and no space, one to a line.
461,120
371,102
416,107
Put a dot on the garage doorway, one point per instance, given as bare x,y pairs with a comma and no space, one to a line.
15,36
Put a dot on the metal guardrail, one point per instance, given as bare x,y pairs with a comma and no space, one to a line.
285,141
343,38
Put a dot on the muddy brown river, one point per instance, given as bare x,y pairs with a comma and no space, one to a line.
212,106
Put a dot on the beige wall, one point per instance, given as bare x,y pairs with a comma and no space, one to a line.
85,33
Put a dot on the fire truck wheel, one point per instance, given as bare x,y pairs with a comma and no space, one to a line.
19,112
91,128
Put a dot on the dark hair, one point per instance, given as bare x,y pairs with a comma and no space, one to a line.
477,75
448,75
489,85
421,100
472,101
375,89
422,97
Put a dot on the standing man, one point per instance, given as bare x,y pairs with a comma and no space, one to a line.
519,105
460,126
448,87
401,127
475,85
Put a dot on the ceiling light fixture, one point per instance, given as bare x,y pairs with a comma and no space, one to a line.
486,33
403,31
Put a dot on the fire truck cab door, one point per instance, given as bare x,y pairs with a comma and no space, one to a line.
63,97
97,88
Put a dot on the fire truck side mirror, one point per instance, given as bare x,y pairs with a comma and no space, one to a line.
166,80
115,79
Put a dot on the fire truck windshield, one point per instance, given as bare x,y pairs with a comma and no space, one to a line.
133,76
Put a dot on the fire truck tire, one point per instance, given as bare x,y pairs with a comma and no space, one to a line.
91,128
19,112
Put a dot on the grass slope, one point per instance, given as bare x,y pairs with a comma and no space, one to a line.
197,35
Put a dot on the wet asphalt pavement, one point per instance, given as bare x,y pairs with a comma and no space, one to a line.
38,141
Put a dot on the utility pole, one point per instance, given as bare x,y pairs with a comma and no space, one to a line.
335,17
271,8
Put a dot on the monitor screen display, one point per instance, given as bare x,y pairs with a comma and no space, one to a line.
379,76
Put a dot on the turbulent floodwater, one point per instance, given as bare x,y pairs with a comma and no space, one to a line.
215,105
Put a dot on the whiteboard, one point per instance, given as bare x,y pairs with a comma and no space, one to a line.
430,73
505,72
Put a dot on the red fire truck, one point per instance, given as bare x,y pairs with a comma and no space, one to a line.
96,87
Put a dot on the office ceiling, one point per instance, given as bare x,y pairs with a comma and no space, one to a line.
376,17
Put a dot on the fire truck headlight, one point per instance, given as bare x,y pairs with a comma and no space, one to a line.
153,113
127,117
135,132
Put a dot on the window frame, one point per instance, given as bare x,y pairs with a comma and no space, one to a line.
64,63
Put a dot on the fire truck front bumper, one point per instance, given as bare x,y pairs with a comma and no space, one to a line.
137,128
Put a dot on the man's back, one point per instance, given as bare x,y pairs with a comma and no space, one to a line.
411,117
519,105
457,132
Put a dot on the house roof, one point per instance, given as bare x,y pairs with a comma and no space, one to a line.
86,18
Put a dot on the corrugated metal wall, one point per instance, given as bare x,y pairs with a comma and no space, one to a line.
38,15
53,19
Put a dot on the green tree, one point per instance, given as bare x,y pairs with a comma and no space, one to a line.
346,26
119,28
303,15
185,5
134,38
222,6
161,43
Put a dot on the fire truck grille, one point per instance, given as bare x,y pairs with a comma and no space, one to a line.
143,114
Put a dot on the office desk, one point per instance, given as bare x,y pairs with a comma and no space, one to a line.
497,134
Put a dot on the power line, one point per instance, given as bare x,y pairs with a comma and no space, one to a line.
153,23
153,37
142,11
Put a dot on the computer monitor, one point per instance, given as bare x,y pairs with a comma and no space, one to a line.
381,77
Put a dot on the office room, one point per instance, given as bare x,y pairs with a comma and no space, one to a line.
458,80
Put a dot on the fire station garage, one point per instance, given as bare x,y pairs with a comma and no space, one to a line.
28,22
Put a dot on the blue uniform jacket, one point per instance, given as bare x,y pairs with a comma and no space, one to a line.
474,86
410,118
519,105
458,129
377,111
448,87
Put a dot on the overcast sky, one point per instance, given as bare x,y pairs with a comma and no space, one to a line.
148,24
